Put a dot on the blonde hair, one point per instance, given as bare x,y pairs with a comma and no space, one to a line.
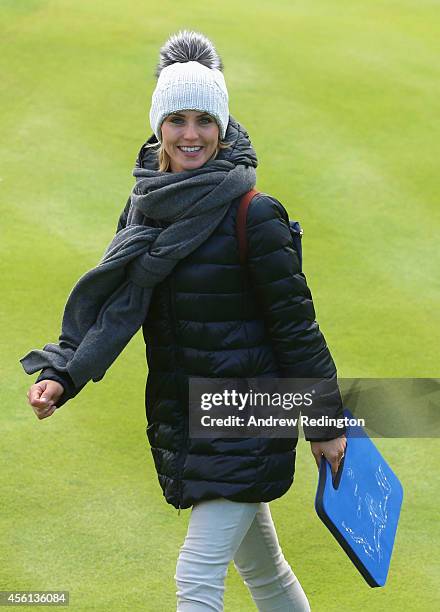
165,161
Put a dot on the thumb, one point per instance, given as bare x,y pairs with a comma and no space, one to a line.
47,395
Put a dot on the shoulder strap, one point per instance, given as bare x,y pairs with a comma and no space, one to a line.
241,223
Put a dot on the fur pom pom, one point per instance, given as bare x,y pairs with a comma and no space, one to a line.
188,46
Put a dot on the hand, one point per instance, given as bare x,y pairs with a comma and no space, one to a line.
43,397
333,451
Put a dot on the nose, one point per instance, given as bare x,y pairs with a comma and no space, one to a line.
190,132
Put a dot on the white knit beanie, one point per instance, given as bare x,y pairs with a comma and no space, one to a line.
189,84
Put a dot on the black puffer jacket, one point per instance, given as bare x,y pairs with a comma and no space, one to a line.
214,318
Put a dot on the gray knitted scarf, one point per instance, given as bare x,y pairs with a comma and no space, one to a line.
109,303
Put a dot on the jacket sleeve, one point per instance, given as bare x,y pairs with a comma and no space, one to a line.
70,391
63,377
286,303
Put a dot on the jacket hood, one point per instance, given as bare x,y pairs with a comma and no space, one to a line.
241,150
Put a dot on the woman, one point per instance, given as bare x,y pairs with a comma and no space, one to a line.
174,268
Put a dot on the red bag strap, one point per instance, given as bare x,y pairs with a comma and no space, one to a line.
241,223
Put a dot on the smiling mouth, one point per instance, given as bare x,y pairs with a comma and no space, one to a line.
190,150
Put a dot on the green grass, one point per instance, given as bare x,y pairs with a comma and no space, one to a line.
340,102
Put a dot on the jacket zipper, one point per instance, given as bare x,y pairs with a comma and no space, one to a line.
172,306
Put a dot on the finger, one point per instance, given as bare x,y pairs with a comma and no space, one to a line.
41,397
43,402
42,408
47,399
43,414
38,395
335,466
50,412
34,393
337,461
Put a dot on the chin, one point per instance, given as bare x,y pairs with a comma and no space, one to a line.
190,164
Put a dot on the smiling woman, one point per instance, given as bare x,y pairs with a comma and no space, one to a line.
174,269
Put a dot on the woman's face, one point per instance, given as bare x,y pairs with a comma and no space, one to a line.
193,129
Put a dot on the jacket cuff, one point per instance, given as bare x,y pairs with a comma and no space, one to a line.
64,379
326,414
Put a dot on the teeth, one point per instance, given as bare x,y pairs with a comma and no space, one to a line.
190,149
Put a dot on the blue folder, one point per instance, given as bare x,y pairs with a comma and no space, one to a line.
361,505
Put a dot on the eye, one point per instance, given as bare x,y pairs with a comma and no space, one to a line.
206,119
175,119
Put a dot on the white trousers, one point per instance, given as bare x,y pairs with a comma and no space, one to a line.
219,531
